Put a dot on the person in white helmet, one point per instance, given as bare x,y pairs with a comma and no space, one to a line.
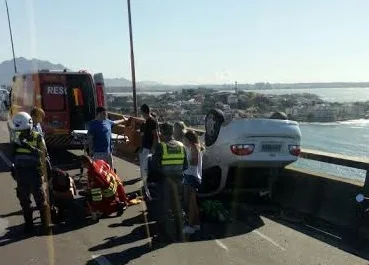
28,155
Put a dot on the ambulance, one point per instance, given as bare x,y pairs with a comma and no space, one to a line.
69,100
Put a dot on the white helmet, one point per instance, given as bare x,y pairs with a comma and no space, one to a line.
22,121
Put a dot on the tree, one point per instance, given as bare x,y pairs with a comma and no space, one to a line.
310,117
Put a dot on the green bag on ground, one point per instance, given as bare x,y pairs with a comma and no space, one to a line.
214,211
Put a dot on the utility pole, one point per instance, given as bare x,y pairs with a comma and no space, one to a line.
11,36
132,59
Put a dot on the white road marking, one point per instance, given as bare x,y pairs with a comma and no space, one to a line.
269,240
4,223
324,232
5,159
101,260
221,244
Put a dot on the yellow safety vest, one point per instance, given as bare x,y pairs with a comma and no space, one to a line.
24,151
98,194
172,158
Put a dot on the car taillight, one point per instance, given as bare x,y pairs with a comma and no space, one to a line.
295,150
100,95
242,149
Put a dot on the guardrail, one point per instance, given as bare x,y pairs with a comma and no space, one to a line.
341,160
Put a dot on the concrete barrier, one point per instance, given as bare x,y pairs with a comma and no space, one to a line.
323,196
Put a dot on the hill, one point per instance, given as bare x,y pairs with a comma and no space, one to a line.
24,65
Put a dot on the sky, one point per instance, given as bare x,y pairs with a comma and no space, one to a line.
196,41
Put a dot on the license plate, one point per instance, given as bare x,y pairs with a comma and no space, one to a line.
271,148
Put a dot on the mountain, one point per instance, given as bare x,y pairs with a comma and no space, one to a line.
123,82
117,82
24,65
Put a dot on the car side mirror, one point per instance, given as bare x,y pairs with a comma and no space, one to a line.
360,197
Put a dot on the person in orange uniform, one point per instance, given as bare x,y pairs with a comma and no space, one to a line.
106,192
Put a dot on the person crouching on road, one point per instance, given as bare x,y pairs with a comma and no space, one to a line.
67,205
191,180
29,170
106,191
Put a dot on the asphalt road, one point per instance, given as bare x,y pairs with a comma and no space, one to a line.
129,239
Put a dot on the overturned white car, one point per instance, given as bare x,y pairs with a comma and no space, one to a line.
236,148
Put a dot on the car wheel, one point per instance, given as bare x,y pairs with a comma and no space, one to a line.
213,122
279,116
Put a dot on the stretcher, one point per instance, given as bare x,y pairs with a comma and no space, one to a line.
81,137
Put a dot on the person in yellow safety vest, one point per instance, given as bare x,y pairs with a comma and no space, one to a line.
169,157
166,168
28,170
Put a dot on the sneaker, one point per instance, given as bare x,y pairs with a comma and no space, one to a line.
188,230
121,208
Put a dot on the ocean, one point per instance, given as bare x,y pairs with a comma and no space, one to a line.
347,138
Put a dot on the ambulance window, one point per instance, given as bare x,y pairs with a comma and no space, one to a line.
53,98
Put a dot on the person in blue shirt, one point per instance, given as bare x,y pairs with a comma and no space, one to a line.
99,136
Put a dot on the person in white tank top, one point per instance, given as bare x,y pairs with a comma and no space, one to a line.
192,176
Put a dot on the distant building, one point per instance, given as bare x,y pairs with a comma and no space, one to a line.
232,99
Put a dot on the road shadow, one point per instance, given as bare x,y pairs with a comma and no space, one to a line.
145,226
66,228
124,257
158,237
338,237
131,181
138,219
19,212
5,159
14,234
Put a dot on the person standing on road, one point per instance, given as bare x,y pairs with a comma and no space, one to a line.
99,136
179,130
28,170
38,115
166,168
192,176
150,138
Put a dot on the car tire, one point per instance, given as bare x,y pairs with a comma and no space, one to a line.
213,122
279,115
